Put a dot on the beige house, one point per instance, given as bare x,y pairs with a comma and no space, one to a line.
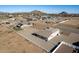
47,34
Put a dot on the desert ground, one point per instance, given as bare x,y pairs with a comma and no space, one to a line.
12,42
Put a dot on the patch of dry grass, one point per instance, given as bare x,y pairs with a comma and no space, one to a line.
12,42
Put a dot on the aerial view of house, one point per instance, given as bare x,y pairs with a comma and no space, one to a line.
39,29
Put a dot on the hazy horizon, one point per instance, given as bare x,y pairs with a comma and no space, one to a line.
44,8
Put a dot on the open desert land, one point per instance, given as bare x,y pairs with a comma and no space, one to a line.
10,41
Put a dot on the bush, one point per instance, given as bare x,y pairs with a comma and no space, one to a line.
16,28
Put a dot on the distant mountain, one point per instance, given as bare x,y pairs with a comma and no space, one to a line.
38,12
4,13
63,12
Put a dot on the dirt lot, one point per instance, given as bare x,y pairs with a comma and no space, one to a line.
12,42
72,23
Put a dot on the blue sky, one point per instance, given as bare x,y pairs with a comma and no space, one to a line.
45,8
